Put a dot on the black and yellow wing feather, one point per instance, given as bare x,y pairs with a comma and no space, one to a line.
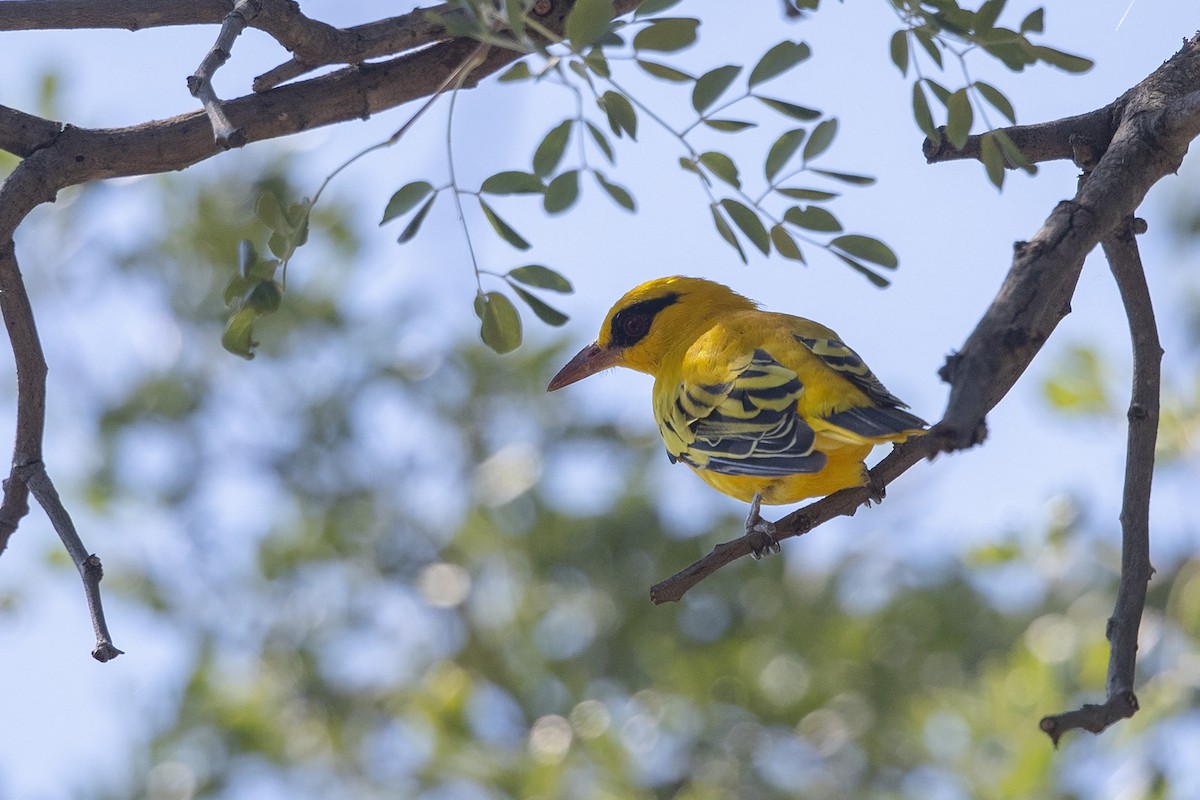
748,425
885,416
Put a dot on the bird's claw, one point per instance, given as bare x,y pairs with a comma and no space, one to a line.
876,490
760,532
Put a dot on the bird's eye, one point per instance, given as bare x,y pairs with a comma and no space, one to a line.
635,326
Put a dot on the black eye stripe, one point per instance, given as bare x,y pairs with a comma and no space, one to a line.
630,325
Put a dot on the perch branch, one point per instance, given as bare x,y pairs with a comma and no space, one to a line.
1148,143
200,82
1123,258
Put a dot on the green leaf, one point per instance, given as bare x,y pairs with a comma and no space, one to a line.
782,150
993,159
238,335
727,232
514,12
985,17
690,165
806,194
512,182
785,245
540,277
939,91
921,112
959,118
820,139
266,297
867,248
749,223
550,152
649,7
666,35
267,209
414,224
1034,22
777,60
925,39
545,312
899,50
617,192
729,125
597,62
1013,154
582,71
500,324
813,218
712,85
517,72
235,290
562,192
587,22
664,72
802,113
1064,61
845,177
602,142
869,274
997,99
721,166
503,228
621,116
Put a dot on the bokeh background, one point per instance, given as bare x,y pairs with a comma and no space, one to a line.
379,561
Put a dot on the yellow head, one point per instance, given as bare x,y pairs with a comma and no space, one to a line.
658,319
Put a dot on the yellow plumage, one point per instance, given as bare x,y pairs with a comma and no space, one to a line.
756,403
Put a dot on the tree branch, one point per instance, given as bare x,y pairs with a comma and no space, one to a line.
200,82
133,15
1045,141
1122,632
28,472
1148,143
316,44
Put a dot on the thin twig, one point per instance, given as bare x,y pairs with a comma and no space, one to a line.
90,570
1122,632
200,83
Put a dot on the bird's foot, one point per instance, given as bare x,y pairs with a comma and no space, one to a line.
760,532
876,490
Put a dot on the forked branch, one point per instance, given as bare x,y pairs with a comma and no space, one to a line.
1122,632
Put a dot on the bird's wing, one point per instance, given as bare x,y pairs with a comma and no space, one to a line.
746,425
885,415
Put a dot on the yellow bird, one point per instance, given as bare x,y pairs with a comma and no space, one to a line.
765,407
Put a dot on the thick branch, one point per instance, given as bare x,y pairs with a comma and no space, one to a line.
1122,252
133,15
21,133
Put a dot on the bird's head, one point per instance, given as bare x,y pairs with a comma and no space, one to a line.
651,322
